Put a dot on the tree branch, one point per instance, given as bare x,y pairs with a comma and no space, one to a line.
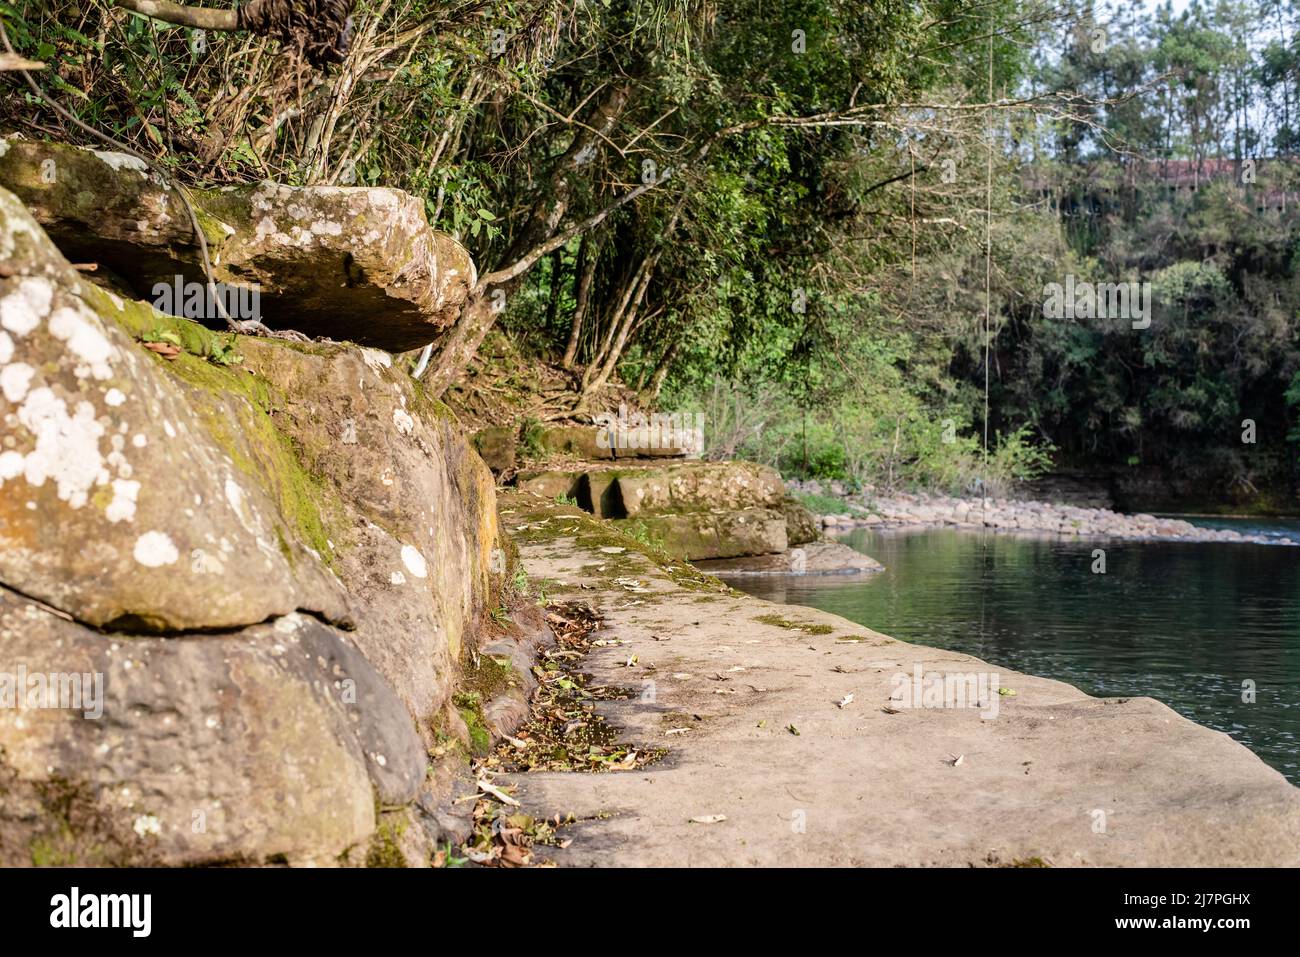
200,18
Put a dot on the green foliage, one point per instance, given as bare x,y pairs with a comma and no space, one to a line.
530,442
224,353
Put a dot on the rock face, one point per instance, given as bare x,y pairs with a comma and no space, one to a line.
720,533
355,264
268,558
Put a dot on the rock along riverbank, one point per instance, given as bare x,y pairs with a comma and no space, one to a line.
1002,514
787,744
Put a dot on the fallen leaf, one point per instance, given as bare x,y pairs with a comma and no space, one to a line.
792,729
164,349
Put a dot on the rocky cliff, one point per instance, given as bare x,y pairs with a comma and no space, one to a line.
270,557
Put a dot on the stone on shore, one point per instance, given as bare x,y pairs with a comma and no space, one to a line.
695,510
813,558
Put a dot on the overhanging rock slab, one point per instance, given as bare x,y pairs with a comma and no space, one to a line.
359,264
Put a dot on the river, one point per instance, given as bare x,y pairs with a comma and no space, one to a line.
1190,624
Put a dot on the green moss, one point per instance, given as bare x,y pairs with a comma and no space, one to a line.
470,706
384,850
238,408
777,621
73,818
46,853
596,533
488,678
530,442
427,407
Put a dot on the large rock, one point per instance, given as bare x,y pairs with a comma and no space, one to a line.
497,445
722,533
350,263
801,525
272,743
699,485
1046,776
695,510
276,554
813,558
118,505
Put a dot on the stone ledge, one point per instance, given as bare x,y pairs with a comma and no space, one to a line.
359,264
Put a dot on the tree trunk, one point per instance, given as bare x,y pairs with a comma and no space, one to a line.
650,394
586,270
459,345
624,331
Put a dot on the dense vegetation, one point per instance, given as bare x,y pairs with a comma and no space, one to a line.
784,214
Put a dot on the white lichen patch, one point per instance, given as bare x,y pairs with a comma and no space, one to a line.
397,578
120,161
377,360
11,465
23,309
235,496
414,561
114,397
403,421
122,507
84,340
147,824
6,348
155,549
67,445
15,379
327,227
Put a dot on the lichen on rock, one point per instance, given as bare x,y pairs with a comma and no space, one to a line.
273,554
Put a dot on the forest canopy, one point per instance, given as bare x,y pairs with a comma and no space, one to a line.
826,225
